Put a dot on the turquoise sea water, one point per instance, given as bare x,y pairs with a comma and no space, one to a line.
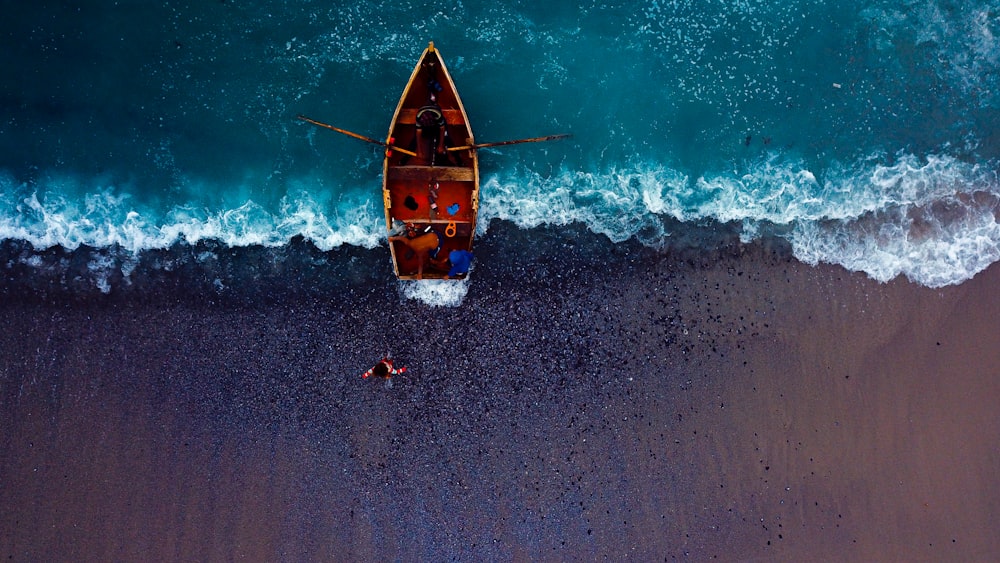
863,132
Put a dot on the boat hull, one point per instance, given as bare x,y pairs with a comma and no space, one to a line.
430,193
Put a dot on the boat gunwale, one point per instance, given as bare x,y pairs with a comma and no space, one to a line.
473,156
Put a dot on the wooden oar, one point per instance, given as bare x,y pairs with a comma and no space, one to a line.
501,143
356,136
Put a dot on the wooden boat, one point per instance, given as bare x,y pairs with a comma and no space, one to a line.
431,190
430,175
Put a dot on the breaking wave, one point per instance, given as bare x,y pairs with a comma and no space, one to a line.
934,220
106,218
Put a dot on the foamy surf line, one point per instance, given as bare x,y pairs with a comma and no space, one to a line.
105,219
933,220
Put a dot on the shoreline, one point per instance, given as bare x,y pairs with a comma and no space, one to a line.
734,403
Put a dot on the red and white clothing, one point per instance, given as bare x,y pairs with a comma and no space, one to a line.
388,371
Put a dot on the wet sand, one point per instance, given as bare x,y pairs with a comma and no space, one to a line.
655,405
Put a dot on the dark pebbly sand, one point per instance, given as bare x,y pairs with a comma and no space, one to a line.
733,404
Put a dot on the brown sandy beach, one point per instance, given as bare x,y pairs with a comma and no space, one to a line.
743,406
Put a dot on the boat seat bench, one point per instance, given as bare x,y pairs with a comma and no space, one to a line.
431,173
408,116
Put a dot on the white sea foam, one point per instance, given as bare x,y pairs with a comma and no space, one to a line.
617,204
936,223
933,220
436,293
102,266
962,41
105,219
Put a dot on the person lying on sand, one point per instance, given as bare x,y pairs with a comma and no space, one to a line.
383,369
